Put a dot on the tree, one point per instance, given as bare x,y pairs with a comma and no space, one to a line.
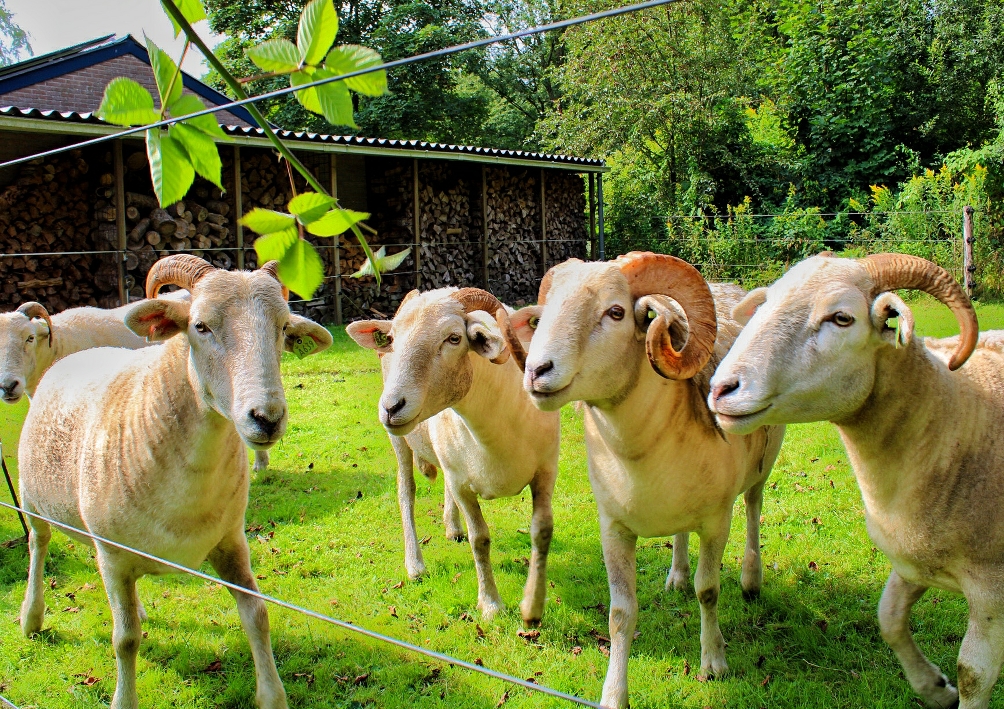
14,44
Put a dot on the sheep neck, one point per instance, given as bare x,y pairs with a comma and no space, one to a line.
496,394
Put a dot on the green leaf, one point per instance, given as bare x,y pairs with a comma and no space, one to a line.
333,101
207,123
352,57
191,10
265,221
383,263
202,152
170,169
165,71
277,55
301,269
126,103
316,34
310,206
336,222
274,246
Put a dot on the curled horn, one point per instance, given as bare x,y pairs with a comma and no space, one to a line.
477,299
182,270
658,274
31,309
272,269
894,271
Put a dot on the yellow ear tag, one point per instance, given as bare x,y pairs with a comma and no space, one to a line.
380,338
304,346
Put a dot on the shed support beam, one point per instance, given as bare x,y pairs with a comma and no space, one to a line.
418,227
599,199
338,246
484,227
592,216
238,207
543,226
120,218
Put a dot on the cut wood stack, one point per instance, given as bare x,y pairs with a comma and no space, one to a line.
565,207
514,263
451,241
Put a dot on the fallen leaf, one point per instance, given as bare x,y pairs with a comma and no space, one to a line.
532,679
72,609
361,679
822,624
260,577
72,596
52,583
814,460
466,616
479,662
605,651
855,675
504,699
832,485
828,468
399,584
393,611
577,650
762,519
773,486
309,676
686,668
214,666
813,566
333,602
799,488
529,634
480,632
766,681
522,531
456,576
815,520
87,587
425,540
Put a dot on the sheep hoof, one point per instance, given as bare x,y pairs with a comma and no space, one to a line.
679,581
416,572
455,535
531,613
714,667
944,697
31,623
751,594
490,609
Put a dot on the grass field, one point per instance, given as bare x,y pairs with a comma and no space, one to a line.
327,536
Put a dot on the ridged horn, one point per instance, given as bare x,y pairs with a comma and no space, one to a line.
31,309
182,270
895,271
477,299
272,269
659,274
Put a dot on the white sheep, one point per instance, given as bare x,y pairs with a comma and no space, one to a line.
922,432
31,341
452,398
658,464
148,447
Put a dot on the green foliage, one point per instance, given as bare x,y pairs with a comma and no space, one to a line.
192,10
127,103
14,43
381,262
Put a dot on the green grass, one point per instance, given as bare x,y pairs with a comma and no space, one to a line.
811,640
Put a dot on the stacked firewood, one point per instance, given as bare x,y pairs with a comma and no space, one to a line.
565,205
451,246
514,258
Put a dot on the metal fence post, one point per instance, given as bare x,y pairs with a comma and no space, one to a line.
968,264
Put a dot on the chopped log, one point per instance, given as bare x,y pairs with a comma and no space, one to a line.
163,222
41,283
139,231
221,208
153,238
141,200
132,213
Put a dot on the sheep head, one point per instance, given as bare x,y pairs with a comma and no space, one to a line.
810,349
25,339
237,325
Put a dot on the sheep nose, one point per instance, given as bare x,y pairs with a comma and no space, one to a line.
263,421
391,410
724,388
8,387
542,369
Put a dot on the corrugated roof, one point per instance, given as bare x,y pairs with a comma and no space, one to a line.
348,140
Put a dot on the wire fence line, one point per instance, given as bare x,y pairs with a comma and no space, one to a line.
531,685
4,701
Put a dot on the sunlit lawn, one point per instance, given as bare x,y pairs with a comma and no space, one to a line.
330,540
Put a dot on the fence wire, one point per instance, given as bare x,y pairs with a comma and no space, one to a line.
344,625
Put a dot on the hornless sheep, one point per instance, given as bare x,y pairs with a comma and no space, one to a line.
148,447
658,465
923,436
31,342
453,400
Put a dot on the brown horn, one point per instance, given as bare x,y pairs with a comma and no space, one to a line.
272,269
895,271
477,299
31,309
659,274
182,270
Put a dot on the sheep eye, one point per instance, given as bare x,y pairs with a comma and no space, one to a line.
533,322
453,339
285,327
31,338
201,327
616,312
842,319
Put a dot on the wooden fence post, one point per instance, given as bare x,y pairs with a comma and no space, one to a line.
592,216
338,242
968,264
543,227
418,227
120,219
484,227
599,200
238,207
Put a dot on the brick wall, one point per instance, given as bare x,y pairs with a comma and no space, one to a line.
82,90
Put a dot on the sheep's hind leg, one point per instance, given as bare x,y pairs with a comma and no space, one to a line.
33,607
926,678
232,561
982,652
120,586
489,601
679,572
413,562
707,583
752,574
619,558
452,519
541,530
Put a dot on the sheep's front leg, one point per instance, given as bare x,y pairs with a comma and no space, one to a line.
260,461
679,572
33,607
708,586
232,561
894,621
619,557
120,587
541,530
489,601
982,652
413,562
752,575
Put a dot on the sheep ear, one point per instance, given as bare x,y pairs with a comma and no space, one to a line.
158,320
889,306
744,309
305,337
524,321
485,338
371,334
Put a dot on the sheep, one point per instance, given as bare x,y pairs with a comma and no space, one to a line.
922,433
31,341
658,465
452,400
148,447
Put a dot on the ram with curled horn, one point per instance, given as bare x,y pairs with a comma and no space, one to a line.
636,340
149,447
452,399
922,422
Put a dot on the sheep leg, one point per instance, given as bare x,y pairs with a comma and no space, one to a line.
120,587
982,652
752,575
541,530
260,461
679,572
926,678
232,561
33,607
619,558
489,601
413,562
708,587
452,518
